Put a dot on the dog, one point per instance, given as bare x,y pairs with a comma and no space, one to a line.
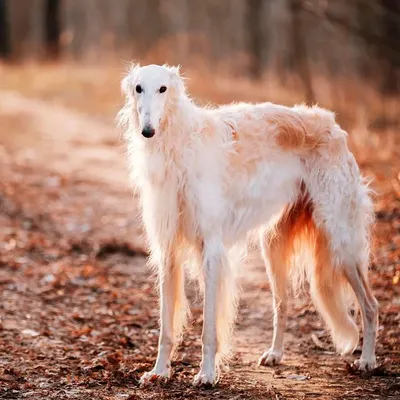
209,177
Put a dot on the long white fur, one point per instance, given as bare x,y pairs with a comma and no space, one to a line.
210,176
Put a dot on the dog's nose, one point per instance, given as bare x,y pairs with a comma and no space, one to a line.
148,132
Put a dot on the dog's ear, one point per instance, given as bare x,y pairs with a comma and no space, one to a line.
175,70
127,81
177,79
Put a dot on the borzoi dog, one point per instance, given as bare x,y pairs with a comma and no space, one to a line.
207,177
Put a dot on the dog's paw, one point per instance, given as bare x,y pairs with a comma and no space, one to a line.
154,376
205,378
270,358
365,365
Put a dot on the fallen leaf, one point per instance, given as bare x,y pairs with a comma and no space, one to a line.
30,332
298,377
317,342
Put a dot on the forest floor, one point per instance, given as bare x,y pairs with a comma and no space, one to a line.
78,306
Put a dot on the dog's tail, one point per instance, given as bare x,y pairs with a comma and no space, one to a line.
332,297
333,223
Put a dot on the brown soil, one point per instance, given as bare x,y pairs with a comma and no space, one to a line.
78,306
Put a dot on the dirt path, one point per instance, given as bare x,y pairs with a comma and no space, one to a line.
78,307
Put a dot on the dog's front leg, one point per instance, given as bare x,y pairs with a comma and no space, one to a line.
212,263
168,282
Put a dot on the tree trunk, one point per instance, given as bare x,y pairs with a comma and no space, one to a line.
52,28
300,52
5,43
26,28
390,57
255,42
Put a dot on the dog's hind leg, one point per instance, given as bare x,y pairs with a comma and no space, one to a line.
369,311
278,245
273,252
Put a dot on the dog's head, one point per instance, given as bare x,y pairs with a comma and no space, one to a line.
152,93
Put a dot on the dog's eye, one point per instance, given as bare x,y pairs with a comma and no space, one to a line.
139,89
163,89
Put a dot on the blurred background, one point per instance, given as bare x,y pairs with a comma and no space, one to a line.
336,38
341,54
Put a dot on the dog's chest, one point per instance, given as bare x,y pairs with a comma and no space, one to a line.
156,168
166,178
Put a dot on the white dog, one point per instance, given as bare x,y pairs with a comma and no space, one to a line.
209,176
